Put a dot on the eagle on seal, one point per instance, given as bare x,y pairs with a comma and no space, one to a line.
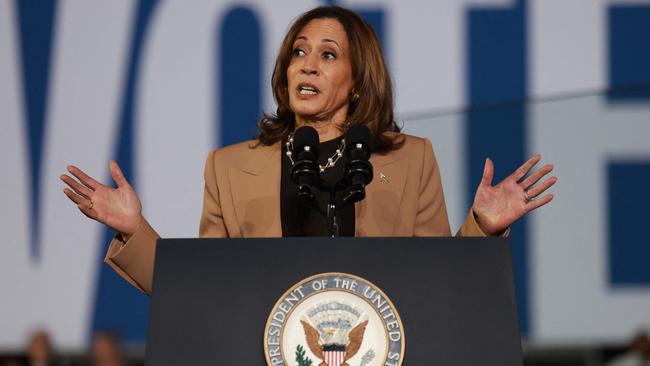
345,352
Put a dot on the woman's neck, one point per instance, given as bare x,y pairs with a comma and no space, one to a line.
327,130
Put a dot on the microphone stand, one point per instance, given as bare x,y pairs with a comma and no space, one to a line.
333,206
332,220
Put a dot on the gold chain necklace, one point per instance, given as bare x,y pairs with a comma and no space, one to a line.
331,161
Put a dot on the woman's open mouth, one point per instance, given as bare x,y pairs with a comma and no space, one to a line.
307,89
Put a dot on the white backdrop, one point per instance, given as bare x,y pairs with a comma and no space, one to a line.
175,110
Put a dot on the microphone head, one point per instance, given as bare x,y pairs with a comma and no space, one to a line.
305,171
359,134
306,136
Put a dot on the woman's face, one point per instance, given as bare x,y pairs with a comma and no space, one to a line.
320,73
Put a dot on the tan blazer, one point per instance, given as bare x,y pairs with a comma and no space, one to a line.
242,199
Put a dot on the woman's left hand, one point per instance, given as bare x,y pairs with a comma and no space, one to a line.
498,207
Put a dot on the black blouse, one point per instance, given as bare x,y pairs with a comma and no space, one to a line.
301,220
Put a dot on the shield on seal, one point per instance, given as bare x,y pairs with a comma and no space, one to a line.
334,355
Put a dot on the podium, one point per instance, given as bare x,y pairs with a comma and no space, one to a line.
211,298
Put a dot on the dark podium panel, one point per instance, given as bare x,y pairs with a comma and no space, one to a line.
211,297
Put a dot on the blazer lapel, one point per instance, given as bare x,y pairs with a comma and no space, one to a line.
376,214
255,188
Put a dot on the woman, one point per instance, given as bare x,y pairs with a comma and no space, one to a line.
329,74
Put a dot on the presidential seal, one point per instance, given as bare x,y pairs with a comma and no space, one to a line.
334,319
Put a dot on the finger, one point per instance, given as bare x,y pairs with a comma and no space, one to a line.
488,173
523,170
539,189
86,210
536,176
76,186
535,204
83,204
84,178
75,197
117,174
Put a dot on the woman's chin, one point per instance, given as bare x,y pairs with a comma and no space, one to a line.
309,113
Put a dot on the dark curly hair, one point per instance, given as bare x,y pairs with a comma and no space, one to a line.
373,107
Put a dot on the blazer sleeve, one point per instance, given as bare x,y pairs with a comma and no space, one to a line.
431,218
133,260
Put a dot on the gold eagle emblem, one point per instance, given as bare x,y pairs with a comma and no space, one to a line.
355,339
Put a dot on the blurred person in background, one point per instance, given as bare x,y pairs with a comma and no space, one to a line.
638,353
11,363
39,349
107,350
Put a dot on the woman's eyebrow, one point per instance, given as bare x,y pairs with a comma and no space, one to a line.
324,40
332,41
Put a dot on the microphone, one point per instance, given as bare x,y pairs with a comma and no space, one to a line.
358,170
305,171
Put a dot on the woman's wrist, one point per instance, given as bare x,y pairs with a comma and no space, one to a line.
126,236
486,231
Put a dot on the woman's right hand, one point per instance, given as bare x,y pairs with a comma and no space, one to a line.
118,208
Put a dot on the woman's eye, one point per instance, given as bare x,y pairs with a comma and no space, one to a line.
298,52
329,55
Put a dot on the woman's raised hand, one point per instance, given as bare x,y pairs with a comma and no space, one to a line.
118,208
498,207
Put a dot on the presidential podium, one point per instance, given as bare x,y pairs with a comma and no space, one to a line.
212,298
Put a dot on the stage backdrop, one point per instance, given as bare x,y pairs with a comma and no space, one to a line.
158,84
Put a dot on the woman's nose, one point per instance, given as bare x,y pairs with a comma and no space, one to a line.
310,65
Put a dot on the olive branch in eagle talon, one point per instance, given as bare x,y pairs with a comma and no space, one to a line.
301,357
355,339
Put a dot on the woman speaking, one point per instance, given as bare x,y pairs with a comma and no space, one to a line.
330,74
